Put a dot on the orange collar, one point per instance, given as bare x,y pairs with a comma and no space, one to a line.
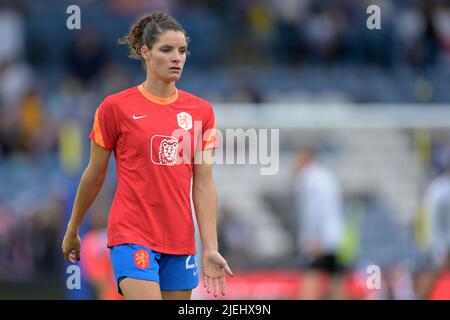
156,99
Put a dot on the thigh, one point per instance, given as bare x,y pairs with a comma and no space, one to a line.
136,289
176,294
135,267
178,273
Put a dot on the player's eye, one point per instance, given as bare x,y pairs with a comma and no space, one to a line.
185,51
165,50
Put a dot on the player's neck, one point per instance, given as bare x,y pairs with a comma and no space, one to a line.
159,88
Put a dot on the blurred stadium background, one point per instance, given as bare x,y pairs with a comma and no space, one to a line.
375,103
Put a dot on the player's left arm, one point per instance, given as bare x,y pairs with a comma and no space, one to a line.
205,203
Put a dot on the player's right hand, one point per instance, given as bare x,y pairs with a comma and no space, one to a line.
71,247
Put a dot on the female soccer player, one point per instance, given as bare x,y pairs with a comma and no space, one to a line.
155,131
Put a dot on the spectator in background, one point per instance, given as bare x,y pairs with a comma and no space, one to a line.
409,29
437,206
12,32
16,76
441,18
319,211
431,34
86,57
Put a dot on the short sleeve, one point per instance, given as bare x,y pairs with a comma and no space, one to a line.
104,130
209,131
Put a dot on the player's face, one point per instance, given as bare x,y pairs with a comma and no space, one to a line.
167,57
304,158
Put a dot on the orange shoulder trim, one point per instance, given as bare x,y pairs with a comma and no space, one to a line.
97,131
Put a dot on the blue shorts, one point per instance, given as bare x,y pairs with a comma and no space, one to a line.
172,272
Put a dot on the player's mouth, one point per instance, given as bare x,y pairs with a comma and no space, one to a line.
175,69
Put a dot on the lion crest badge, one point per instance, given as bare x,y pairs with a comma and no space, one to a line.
184,120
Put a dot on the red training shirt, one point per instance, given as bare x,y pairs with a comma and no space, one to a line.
154,140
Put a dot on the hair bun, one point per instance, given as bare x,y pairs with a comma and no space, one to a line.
146,31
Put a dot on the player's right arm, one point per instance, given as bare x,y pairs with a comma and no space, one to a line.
90,185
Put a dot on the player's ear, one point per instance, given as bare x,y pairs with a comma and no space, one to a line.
145,52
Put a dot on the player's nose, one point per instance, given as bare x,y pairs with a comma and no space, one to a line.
176,57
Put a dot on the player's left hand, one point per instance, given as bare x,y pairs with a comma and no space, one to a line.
214,268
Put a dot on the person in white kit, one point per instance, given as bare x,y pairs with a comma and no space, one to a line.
318,205
437,206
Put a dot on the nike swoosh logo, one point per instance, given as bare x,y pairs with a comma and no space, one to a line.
195,273
135,117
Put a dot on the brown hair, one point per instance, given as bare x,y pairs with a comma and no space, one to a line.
147,30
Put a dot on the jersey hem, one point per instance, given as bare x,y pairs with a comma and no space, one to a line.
153,247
